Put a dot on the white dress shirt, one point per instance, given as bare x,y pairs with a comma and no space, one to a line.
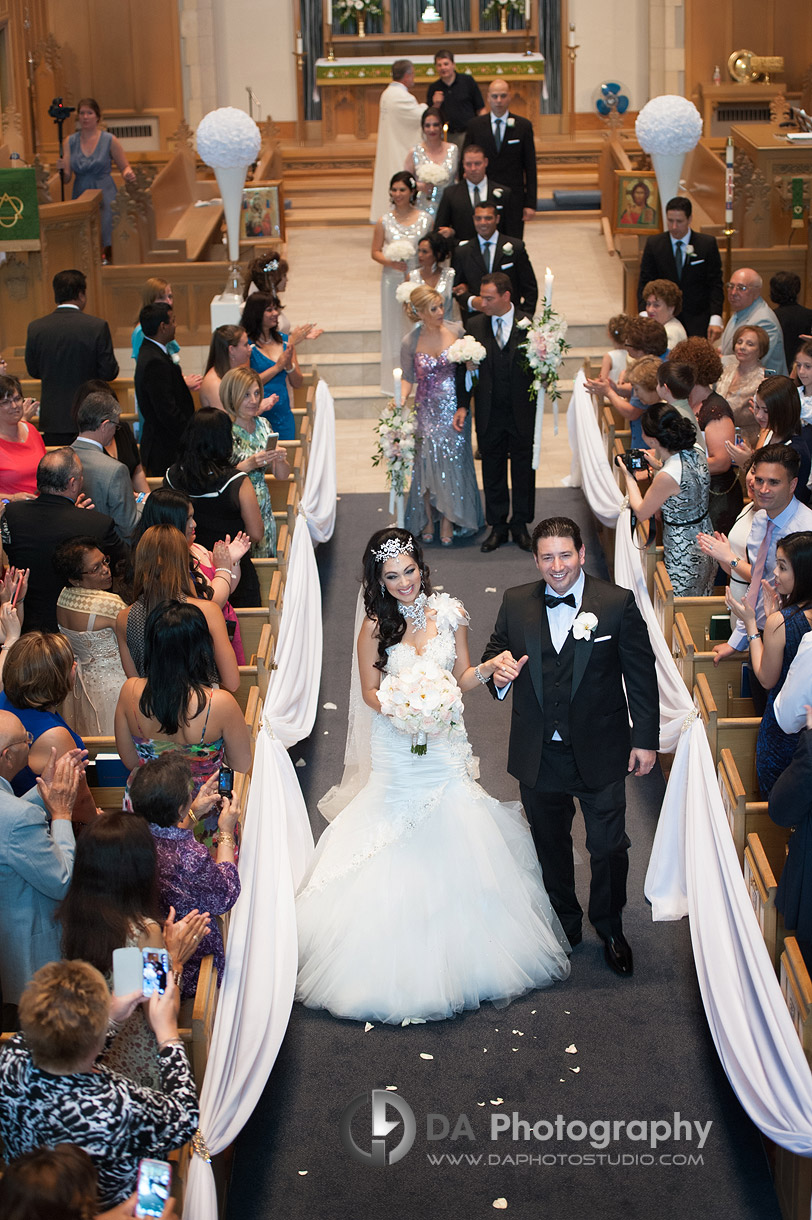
560,620
789,706
482,187
796,516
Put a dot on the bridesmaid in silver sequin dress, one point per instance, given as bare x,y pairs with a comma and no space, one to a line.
433,271
406,223
435,151
443,478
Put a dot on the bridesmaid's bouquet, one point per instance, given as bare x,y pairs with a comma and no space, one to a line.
400,250
423,701
469,352
433,175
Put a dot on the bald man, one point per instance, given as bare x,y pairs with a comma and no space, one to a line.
507,141
36,859
750,309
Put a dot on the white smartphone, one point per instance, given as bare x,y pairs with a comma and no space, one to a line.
128,970
154,1180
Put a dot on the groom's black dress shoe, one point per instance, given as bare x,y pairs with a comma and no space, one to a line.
574,938
522,538
494,540
618,954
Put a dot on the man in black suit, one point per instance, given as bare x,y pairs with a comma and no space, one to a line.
575,641
491,251
33,529
455,95
164,399
64,349
455,215
691,260
504,415
507,141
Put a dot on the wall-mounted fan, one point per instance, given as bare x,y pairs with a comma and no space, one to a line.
610,97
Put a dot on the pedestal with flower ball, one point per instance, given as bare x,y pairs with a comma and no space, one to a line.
667,128
228,140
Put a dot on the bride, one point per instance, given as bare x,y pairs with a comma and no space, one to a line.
424,896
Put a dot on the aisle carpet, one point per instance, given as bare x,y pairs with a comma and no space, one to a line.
595,1048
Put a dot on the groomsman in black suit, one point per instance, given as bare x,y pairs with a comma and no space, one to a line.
582,668
164,399
691,260
507,141
492,251
455,215
504,415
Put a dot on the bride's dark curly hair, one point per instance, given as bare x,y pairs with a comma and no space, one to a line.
379,604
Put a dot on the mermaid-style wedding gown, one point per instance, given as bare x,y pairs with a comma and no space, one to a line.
425,895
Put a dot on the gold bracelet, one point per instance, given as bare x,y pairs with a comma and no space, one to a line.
225,836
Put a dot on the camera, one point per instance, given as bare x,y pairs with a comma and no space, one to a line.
58,111
633,460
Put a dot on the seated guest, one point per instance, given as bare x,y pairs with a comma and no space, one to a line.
162,574
36,858
105,480
674,385
615,360
777,412
750,309
788,607
122,445
60,1182
176,707
791,805
742,373
164,399
681,489
86,612
229,349
113,904
223,495
21,446
715,419
802,372
37,677
794,319
188,878
51,1091
643,337
662,300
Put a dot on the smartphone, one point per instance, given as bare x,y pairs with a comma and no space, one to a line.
154,1180
738,439
225,784
272,439
155,969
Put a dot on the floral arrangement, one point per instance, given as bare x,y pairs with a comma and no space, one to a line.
403,292
544,349
423,700
466,350
399,251
434,175
508,6
668,124
395,450
345,10
228,138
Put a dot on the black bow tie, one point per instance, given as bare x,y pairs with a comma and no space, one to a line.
552,602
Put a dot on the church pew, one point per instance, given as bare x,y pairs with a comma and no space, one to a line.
746,814
253,712
197,1035
736,733
696,610
761,886
692,657
796,987
612,431
265,661
285,497
252,619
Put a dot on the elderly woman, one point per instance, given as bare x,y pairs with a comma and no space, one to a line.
663,299
229,349
21,446
241,399
52,1092
188,878
742,373
86,613
87,159
681,489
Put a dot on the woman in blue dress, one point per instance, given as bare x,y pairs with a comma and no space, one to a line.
87,160
788,603
273,356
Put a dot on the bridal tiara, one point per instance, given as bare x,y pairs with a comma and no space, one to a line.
392,548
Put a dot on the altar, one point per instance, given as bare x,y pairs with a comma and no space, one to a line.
350,88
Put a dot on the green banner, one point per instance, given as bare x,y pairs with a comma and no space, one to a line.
19,210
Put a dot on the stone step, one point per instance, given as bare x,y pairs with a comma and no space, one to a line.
350,368
367,401
311,218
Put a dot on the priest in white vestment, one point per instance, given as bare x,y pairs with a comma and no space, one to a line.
398,132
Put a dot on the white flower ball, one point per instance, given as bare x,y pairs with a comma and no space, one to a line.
668,124
227,138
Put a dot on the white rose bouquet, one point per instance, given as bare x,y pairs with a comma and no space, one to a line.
403,292
544,350
423,701
399,251
434,175
395,434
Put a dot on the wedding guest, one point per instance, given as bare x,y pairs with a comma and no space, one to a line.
615,360
662,300
692,260
21,446
267,273
273,356
241,398
394,245
229,349
777,412
122,445
105,480
730,551
749,308
643,337
88,159
674,385
48,1182
742,374
164,399
791,805
803,373
794,319
433,162
434,271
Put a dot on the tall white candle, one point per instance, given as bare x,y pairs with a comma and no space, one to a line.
729,182
548,287
571,42
527,11
299,44
330,13
397,374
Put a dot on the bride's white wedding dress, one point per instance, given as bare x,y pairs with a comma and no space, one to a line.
425,895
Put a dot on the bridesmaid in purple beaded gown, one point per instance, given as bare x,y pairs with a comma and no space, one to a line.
444,485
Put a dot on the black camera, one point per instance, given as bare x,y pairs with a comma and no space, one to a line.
59,112
633,460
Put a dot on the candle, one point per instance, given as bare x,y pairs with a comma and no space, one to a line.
330,13
397,373
299,44
548,288
571,42
729,182
527,11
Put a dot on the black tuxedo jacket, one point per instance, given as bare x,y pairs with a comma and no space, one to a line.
514,164
65,349
521,379
617,652
703,292
455,211
31,532
469,268
166,404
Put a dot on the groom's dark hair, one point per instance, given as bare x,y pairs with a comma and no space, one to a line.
557,527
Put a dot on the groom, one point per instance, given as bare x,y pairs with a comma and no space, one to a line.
578,640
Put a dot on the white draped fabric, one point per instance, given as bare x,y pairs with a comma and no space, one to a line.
694,868
262,952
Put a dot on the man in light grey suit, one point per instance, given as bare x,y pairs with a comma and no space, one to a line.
36,861
106,480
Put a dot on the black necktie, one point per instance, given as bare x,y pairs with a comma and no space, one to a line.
678,260
497,135
552,602
477,197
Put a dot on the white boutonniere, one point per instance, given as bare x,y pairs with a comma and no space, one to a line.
175,357
463,243
524,323
584,625
507,248
689,250
511,122
498,193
